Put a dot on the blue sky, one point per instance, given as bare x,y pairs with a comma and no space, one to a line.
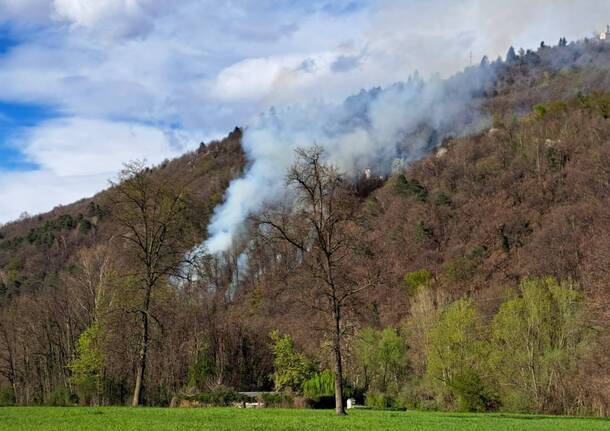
16,118
86,85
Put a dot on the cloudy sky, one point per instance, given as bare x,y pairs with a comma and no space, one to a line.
86,85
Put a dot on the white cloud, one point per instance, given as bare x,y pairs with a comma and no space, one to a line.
77,157
114,18
39,191
77,146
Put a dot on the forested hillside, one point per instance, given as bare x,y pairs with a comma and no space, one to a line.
477,277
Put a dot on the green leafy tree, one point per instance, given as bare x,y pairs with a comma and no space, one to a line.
320,385
381,355
537,338
458,356
87,367
292,369
151,212
321,227
364,349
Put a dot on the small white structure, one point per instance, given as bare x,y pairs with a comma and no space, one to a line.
367,173
351,403
605,35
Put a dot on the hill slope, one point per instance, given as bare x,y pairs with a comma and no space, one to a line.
527,196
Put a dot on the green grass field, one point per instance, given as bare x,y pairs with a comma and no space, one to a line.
231,419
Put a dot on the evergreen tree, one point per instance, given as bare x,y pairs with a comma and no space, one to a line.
511,56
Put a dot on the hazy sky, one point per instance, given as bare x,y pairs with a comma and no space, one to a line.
86,85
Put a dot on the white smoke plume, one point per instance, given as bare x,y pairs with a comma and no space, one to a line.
370,129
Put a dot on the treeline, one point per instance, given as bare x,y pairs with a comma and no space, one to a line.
71,296
448,356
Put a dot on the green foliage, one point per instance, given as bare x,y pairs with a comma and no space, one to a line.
554,108
422,232
292,369
455,345
497,120
7,397
381,401
277,400
463,268
417,279
373,206
555,158
405,187
418,394
44,235
473,394
460,269
12,244
540,111
522,363
443,200
220,396
537,338
381,358
62,397
595,102
319,385
201,370
84,226
87,367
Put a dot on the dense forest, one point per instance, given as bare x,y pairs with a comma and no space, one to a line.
476,278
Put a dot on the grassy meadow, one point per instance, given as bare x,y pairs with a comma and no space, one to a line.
231,419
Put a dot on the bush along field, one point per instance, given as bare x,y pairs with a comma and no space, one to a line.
229,419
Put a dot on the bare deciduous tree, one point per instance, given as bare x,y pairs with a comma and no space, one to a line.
321,227
151,212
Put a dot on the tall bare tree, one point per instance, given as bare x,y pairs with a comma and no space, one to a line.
152,213
321,227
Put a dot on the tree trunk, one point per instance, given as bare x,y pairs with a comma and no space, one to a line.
141,358
338,365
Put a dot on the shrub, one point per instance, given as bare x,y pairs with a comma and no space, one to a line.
429,405
405,187
276,399
422,232
220,396
322,402
418,394
460,269
7,397
378,400
320,384
415,279
62,397
442,199
472,394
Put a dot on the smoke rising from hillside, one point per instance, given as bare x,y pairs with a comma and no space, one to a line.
370,129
